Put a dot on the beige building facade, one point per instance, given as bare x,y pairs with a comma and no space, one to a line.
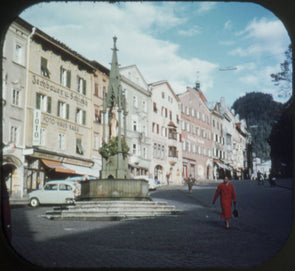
15,62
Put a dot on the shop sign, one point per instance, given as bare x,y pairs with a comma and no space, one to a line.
37,127
49,87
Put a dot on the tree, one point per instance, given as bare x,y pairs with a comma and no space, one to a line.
281,142
260,111
284,78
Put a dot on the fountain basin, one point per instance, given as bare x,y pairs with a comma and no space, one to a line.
114,189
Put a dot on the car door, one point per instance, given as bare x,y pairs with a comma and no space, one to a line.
65,192
49,193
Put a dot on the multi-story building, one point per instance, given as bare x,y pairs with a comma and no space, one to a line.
166,163
52,128
138,98
52,100
196,135
218,142
15,63
101,81
233,158
240,148
59,112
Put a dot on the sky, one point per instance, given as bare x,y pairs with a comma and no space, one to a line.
230,48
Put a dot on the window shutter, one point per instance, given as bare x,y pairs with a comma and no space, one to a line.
58,109
69,79
60,74
84,117
48,104
84,86
43,64
68,111
38,99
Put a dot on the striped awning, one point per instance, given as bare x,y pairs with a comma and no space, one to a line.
57,166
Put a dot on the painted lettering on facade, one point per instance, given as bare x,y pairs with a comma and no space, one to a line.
37,127
49,87
60,123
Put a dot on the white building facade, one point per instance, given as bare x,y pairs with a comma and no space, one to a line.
166,162
138,137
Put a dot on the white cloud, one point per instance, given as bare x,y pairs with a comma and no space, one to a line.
88,28
204,7
228,25
190,32
226,42
249,79
266,37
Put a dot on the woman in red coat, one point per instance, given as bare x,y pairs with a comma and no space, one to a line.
227,195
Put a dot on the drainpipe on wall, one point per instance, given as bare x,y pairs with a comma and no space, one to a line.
26,97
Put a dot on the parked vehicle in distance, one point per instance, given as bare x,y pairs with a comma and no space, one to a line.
53,192
152,183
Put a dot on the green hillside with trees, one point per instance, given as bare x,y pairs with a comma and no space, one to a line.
260,112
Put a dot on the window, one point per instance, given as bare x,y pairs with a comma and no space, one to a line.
155,150
61,142
50,187
44,69
81,116
144,152
172,151
65,187
134,148
155,108
96,141
163,95
43,136
159,154
15,97
96,89
187,110
97,115
43,102
65,77
63,110
172,133
192,112
18,54
144,130
134,127
134,101
79,148
144,106
13,134
81,85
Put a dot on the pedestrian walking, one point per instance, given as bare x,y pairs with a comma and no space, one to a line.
227,195
190,183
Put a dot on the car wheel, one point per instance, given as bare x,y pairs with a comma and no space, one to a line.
34,202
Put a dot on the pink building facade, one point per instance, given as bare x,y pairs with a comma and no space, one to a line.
196,135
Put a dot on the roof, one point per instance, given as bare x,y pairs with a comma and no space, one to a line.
163,82
61,48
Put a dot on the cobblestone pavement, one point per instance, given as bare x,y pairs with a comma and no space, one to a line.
196,238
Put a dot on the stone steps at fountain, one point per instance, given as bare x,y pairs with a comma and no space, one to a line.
111,210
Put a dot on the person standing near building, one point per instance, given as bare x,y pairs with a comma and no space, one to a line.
227,195
190,182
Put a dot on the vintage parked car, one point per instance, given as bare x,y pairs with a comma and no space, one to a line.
152,183
53,192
